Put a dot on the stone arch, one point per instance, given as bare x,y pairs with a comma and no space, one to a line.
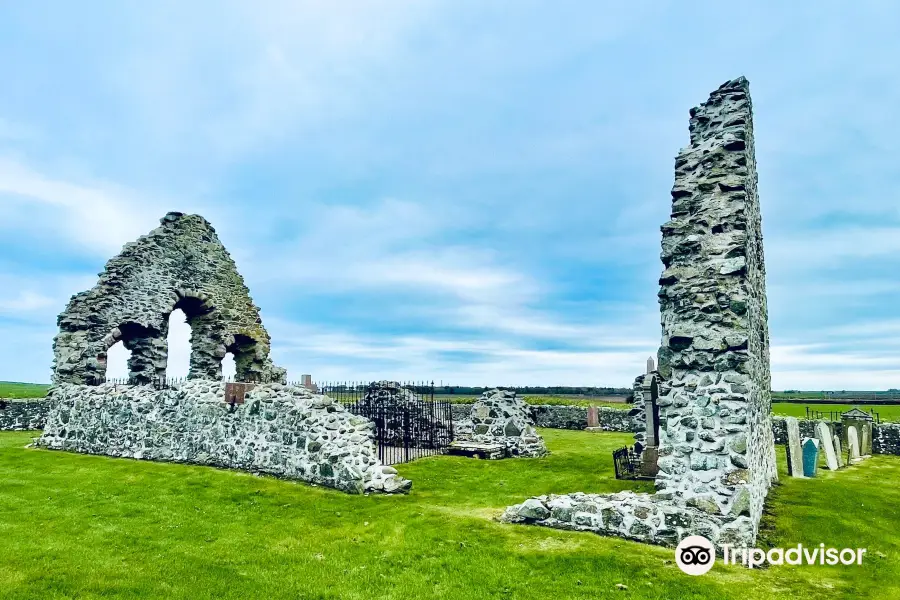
180,264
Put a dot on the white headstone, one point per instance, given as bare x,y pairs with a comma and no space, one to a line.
865,441
826,443
838,451
853,442
794,451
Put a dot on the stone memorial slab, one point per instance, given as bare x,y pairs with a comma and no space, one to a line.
838,453
810,456
593,417
826,443
865,442
853,443
794,453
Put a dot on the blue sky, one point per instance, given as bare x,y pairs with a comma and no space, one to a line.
468,191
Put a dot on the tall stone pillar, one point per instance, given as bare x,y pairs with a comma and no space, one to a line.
716,447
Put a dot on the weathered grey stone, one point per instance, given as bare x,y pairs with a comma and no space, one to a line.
794,453
23,415
280,430
853,440
499,417
837,450
179,265
714,355
826,445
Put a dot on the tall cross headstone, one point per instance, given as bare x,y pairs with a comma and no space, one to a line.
826,444
650,454
810,456
794,453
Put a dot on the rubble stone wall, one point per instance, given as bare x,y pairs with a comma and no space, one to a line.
716,445
179,265
499,417
280,430
19,415
716,450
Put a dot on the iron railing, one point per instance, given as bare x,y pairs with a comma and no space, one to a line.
835,415
627,463
409,422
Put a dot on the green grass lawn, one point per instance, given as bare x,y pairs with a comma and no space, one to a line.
12,389
78,526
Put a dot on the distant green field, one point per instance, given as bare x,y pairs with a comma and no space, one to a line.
12,389
887,412
611,401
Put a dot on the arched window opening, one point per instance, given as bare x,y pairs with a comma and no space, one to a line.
228,367
117,358
179,344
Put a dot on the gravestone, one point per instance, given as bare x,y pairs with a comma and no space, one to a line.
865,442
824,435
593,418
853,444
794,453
810,456
861,421
837,451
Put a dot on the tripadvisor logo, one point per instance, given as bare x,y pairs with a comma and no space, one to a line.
695,555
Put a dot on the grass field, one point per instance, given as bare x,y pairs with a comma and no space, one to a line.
78,526
10,389
890,412
887,412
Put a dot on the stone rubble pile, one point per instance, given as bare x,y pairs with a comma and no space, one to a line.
499,417
280,430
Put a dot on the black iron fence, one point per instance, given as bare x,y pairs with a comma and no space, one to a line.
835,415
159,383
627,463
409,422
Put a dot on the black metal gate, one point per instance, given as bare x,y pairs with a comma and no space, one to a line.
627,463
408,425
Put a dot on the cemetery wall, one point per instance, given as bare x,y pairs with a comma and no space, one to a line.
555,416
886,438
19,415
280,430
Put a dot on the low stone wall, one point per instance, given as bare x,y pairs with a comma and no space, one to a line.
886,438
556,416
650,518
807,429
280,430
23,415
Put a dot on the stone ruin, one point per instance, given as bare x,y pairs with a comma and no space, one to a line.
179,265
716,447
287,431
500,425
280,430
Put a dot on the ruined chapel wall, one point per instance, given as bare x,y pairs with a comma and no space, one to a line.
716,444
180,264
